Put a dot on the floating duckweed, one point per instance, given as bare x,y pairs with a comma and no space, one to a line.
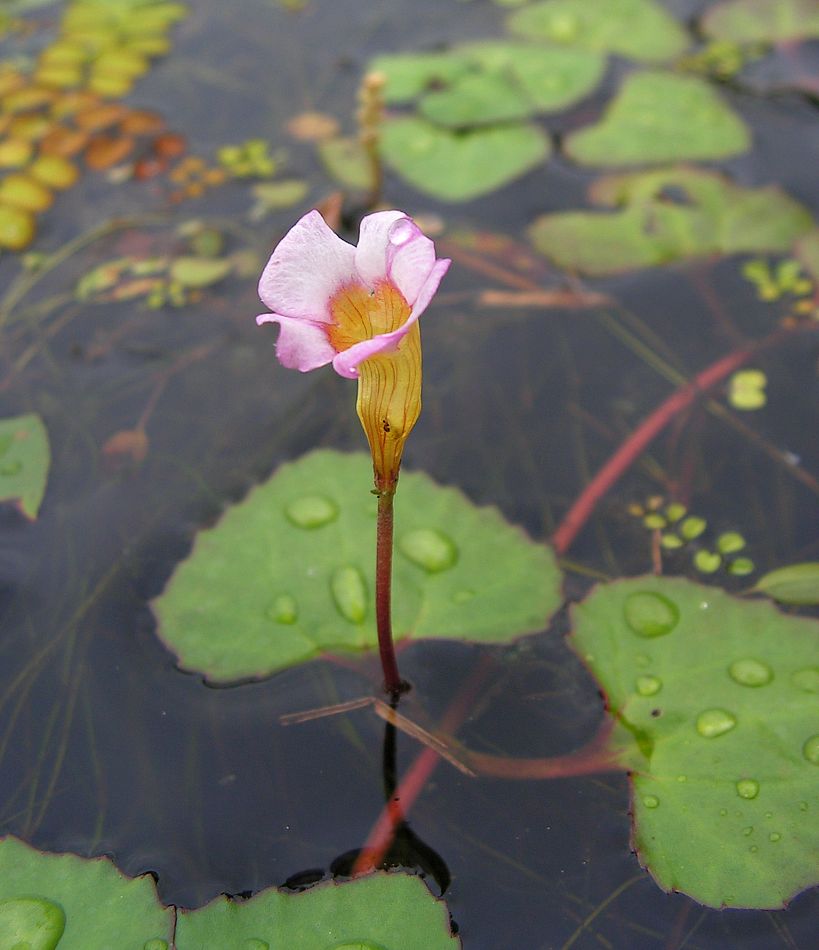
284,609
14,153
811,750
746,389
27,99
707,562
30,923
648,685
747,788
429,548
671,542
25,193
16,228
806,680
675,511
741,567
715,722
692,527
110,85
349,590
654,521
649,614
121,62
651,801
750,672
311,511
60,77
53,171
730,542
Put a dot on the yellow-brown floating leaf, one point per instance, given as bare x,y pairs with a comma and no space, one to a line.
20,191
313,126
100,116
14,153
104,151
16,228
32,126
27,98
120,61
63,141
53,171
71,103
110,85
10,80
142,122
59,77
125,445
169,145
149,44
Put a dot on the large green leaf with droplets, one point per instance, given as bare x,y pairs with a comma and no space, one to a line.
62,900
661,117
287,574
637,29
718,703
667,215
24,461
762,21
378,912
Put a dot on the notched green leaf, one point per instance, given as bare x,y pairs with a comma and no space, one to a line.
25,458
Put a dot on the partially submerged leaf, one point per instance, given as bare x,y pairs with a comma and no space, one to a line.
762,21
346,160
286,575
367,913
199,271
796,584
638,29
716,702
661,117
458,166
24,462
51,900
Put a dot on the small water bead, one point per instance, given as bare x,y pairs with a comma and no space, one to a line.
31,923
311,511
649,614
723,812
349,590
774,836
803,806
651,801
715,722
754,848
463,596
747,788
747,832
642,660
254,943
682,778
284,609
750,672
156,944
807,680
429,549
811,750
648,685
769,814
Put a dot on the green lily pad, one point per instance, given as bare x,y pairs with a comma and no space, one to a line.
666,215
762,21
458,166
24,461
51,900
794,584
376,912
716,701
637,29
661,117
410,74
475,99
287,574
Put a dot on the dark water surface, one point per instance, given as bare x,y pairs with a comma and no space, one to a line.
105,748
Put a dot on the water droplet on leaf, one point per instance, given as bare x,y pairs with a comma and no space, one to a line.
747,832
774,836
750,672
747,788
349,591
715,722
649,614
651,801
32,923
429,549
284,609
648,685
811,750
311,511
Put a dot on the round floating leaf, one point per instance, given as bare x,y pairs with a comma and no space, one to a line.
661,117
24,461
368,913
475,99
716,698
638,29
73,903
457,166
287,574
762,21
410,74
795,584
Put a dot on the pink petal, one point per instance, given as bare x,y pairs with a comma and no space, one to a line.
307,267
346,362
301,344
373,245
411,258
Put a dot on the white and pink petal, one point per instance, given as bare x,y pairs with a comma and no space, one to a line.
301,344
372,252
410,258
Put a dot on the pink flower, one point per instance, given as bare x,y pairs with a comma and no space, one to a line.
343,304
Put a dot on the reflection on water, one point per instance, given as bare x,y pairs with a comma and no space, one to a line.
106,748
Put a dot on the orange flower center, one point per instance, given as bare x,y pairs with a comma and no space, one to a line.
360,314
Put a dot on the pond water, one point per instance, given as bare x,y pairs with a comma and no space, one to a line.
107,748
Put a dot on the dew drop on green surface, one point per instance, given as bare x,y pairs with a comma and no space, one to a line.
349,591
30,923
754,848
723,812
774,836
311,511
463,596
803,806
649,614
748,831
682,778
651,801
806,680
747,788
648,685
284,609
254,943
156,944
430,549
750,672
715,722
642,659
811,750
